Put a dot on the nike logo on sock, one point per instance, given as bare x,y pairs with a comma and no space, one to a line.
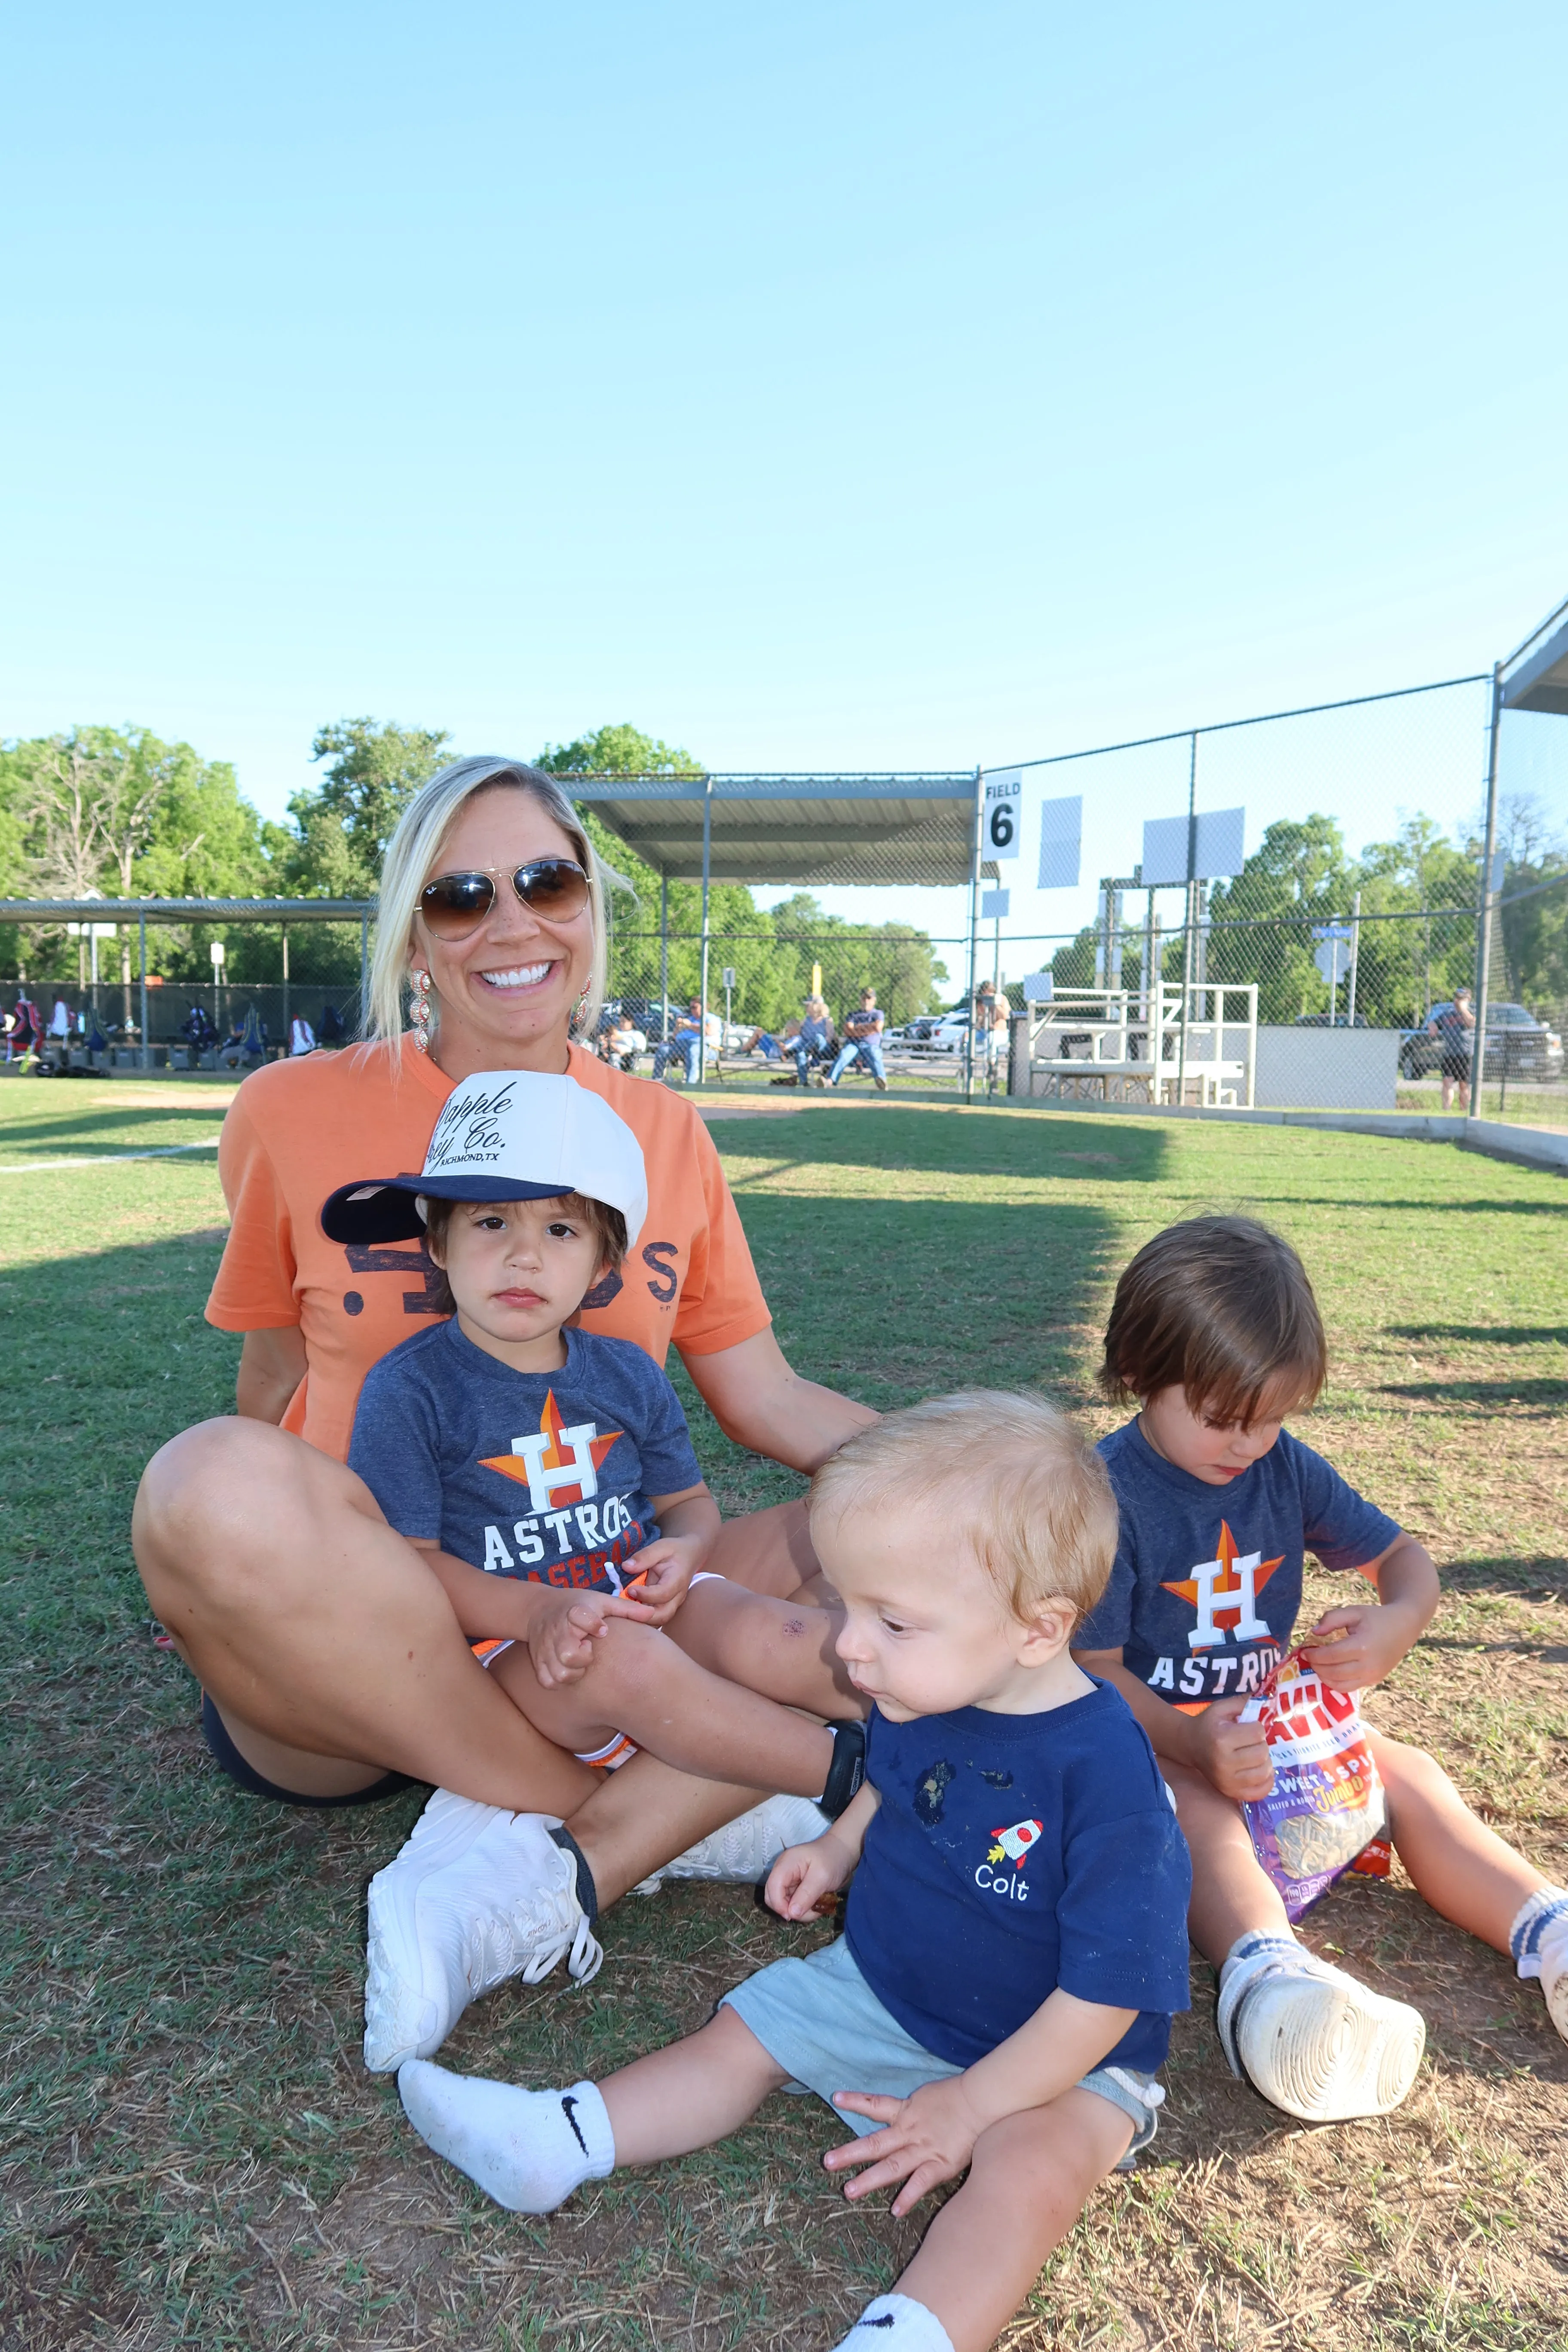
567,2104
888,2319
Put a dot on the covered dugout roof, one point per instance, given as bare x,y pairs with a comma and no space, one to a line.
1539,682
854,828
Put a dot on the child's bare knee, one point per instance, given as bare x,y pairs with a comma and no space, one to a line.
632,1662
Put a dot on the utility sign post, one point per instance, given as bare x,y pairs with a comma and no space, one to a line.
1004,807
1332,957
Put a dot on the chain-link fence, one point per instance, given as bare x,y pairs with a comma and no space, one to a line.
212,991
1344,1008
1355,950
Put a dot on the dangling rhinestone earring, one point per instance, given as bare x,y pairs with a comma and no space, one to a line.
421,1012
577,1009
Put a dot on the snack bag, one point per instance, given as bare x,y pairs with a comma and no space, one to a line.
1325,1808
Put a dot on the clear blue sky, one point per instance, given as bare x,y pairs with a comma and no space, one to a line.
850,385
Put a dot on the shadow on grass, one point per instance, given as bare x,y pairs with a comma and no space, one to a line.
1434,1205
1548,1395
85,1131
1541,1575
983,1143
1496,1335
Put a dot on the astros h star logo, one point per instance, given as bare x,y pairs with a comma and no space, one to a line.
556,1465
1224,1593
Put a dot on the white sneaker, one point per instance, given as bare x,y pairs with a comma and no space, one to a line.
740,1850
477,1895
1310,2040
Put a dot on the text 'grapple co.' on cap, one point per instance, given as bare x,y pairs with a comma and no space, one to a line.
503,1134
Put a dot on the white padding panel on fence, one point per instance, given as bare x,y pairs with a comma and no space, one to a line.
1326,1070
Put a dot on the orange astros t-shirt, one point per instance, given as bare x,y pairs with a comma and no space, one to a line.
297,1129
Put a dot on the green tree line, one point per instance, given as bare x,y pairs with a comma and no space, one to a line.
1417,937
116,812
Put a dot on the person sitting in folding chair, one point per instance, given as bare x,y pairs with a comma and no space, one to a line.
685,1043
813,1043
862,1042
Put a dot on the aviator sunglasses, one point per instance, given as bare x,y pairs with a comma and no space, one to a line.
454,905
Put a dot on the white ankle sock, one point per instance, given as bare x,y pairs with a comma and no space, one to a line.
528,2149
1543,1917
896,2324
1277,1943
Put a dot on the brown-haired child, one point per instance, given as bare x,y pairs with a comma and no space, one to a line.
1215,1330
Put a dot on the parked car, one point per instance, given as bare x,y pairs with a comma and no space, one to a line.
1327,1021
949,1034
1517,1045
646,1014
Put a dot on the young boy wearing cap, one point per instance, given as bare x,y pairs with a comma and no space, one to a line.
547,1475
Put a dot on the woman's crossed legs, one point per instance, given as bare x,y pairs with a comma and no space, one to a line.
334,1656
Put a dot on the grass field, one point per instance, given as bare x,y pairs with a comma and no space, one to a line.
193,2154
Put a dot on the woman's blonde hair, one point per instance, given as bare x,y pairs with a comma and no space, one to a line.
817,1005
1003,1475
416,844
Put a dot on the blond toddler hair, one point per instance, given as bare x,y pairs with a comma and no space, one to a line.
1005,1472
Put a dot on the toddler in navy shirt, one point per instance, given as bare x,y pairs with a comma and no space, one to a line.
1216,1330
1015,1939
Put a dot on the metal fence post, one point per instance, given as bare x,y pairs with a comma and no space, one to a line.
973,933
287,1032
141,939
664,956
1356,959
1187,926
1484,927
706,861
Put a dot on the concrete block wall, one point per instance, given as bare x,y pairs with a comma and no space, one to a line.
1326,1070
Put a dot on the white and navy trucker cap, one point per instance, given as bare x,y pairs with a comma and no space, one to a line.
503,1134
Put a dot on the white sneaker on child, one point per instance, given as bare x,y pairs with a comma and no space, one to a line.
528,2149
476,1896
1308,2038
740,1850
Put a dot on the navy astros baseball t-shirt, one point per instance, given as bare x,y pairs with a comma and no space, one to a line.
1207,1579
1013,1853
538,1474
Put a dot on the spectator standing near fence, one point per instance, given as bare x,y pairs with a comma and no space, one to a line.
811,1040
990,1018
1456,1025
862,1042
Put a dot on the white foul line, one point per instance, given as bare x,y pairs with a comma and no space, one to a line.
156,1152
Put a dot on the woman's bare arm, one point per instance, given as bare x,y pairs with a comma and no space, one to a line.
271,1367
757,1400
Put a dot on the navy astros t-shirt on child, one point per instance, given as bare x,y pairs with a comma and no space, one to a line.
1215,1626
1015,1853
539,1475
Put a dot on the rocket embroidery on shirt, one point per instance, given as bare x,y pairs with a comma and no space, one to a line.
1224,1593
1013,1844
555,1463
